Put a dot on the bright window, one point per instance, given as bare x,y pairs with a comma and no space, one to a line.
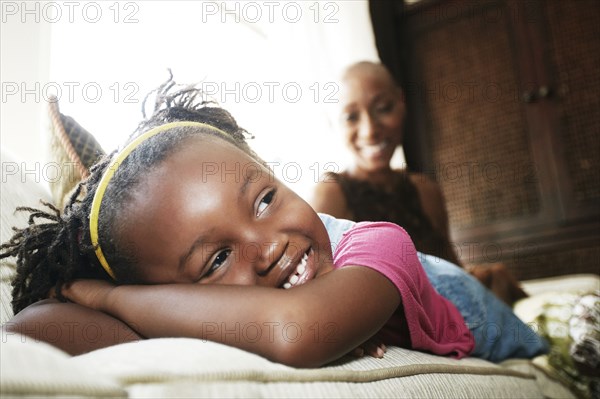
272,64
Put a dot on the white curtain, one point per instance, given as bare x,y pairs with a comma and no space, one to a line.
273,64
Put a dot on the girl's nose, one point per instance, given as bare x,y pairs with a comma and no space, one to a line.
260,259
264,245
270,254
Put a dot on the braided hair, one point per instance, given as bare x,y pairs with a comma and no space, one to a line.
55,247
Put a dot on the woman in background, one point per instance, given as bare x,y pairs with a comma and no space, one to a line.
373,111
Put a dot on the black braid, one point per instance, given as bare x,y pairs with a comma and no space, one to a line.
30,247
188,103
49,250
55,248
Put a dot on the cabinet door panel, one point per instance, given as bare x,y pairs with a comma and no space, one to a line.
572,54
507,98
478,132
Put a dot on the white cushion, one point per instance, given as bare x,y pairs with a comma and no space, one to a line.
184,367
20,185
35,369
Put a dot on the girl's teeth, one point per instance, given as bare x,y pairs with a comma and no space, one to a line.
301,268
302,265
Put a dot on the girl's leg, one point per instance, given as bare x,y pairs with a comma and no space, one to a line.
499,333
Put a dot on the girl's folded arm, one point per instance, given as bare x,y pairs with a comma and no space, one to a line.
71,327
306,326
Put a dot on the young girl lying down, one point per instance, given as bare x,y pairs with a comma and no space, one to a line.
185,232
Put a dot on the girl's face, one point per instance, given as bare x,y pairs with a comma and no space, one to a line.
372,117
211,214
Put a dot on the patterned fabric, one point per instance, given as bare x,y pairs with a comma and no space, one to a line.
399,204
572,325
86,146
73,149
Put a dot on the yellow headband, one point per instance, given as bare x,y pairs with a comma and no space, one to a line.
110,172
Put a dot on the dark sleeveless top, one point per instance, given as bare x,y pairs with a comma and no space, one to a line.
400,204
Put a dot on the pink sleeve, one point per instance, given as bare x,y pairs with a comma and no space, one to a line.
434,323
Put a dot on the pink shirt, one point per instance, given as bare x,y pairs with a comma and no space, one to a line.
434,324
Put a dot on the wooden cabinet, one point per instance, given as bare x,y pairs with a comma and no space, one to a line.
504,99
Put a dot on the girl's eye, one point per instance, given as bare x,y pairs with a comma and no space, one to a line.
219,260
264,202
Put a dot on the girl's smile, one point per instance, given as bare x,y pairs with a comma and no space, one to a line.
304,271
212,214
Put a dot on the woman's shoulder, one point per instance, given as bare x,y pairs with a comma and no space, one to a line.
334,178
328,197
329,187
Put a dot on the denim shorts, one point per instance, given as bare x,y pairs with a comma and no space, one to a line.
499,333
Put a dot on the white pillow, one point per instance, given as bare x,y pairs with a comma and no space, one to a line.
20,185
32,368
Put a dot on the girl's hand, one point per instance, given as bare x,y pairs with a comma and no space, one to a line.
89,293
373,347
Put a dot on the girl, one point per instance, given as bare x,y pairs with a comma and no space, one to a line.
185,232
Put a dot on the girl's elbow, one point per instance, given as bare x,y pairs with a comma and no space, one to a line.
294,355
306,353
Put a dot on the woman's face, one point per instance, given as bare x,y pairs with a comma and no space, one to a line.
372,117
212,214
